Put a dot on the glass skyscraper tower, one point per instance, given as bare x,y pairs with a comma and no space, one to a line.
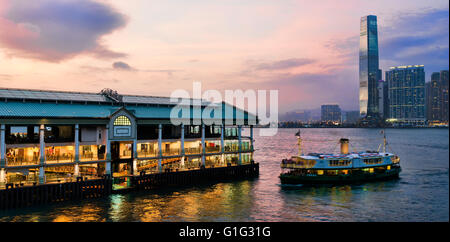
369,74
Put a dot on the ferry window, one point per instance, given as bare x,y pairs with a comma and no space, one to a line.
373,161
122,121
339,162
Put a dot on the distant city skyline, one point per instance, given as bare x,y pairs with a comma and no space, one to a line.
305,50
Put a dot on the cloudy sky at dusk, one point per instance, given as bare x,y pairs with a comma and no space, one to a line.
308,50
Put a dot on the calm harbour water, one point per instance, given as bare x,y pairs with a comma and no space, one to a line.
421,193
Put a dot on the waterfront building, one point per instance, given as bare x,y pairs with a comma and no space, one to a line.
369,72
437,98
330,113
434,99
351,117
428,100
444,92
302,116
383,99
49,136
406,87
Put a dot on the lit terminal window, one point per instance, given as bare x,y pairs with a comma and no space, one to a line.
122,121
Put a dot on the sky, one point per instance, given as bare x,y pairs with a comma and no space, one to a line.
307,50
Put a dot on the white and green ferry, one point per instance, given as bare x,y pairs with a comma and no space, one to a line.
346,167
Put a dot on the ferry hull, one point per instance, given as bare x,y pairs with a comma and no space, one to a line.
341,179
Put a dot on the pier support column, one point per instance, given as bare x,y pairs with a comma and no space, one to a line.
76,172
182,146
251,143
42,154
240,144
108,168
135,170
108,152
182,139
203,145
2,176
160,147
2,147
222,143
2,155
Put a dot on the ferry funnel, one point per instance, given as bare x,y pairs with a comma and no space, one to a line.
344,145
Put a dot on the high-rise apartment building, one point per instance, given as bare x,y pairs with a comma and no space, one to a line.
351,117
437,98
383,99
444,90
434,99
406,89
330,113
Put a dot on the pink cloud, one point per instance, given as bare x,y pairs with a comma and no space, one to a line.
53,30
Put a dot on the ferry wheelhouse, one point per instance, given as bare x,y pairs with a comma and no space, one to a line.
346,167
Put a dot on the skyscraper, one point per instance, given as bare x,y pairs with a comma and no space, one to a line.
406,94
444,92
369,74
437,98
330,113
434,98
383,99
351,117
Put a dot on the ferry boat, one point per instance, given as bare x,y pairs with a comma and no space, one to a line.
346,167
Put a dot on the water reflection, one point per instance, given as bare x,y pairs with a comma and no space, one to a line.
332,203
422,193
185,204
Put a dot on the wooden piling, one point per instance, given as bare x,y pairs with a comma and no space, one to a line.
24,196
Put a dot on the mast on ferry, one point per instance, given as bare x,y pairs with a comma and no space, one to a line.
299,140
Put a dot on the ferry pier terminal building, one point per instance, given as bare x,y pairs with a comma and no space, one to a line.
56,136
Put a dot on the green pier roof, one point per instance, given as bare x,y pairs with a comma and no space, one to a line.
17,103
